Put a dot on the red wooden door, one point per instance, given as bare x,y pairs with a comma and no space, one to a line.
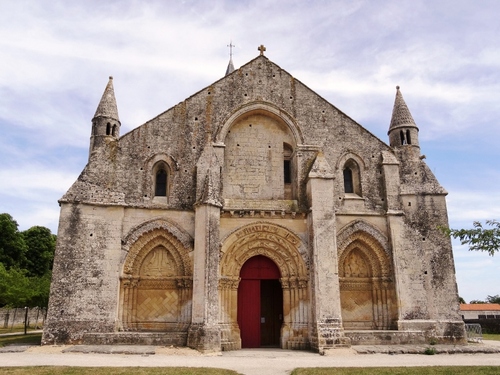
253,317
249,313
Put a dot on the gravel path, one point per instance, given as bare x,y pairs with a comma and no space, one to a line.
246,361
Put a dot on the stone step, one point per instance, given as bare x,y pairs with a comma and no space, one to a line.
136,338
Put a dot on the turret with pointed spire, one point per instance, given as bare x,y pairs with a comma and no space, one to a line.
106,123
403,130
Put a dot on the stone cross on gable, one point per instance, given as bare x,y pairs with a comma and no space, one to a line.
261,48
231,45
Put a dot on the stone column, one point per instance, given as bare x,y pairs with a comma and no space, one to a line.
204,333
327,329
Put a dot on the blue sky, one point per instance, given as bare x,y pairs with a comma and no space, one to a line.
56,56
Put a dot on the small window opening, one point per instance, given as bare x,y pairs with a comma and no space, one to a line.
403,139
108,128
113,132
287,171
161,183
348,184
408,138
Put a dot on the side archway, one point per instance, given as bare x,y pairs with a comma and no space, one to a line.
367,290
156,280
287,251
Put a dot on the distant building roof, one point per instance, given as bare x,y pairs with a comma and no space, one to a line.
479,307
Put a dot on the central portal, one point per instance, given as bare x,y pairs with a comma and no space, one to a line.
260,303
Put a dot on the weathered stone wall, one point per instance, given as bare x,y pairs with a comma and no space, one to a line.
84,289
224,150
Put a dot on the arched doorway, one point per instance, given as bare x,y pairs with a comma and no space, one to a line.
260,303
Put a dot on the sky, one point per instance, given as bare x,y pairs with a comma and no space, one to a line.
56,57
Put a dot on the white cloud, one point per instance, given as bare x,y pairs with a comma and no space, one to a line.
57,56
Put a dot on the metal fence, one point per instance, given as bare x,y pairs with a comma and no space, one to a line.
474,332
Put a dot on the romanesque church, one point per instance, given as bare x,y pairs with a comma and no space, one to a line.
253,214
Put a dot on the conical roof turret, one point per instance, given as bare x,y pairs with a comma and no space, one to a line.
107,106
402,131
401,116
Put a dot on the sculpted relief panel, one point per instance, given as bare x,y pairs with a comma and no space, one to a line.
156,285
367,290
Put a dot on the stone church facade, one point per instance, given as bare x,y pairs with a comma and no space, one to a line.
253,214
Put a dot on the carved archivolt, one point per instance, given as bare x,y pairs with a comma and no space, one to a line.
158,238
363,250
273,241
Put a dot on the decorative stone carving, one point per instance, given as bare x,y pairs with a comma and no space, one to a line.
156,285
284,248
367,291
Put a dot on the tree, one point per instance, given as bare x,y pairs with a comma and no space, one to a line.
493,299
15,290
476,301
40,243
25,264
479,238
12,245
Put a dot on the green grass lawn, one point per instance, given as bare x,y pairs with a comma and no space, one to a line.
491,336
19,329
34,339
441,370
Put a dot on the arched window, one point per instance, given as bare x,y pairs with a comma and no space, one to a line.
352,178
408,138
113,133
287,170
108,128
161,182
348,185
402,135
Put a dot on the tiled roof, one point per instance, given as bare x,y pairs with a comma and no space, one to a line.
479,307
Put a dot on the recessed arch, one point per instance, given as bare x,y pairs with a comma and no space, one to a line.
141,239
367,289
156,279
260,107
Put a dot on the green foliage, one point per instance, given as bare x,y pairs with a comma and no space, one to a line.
12,245
479,238
31,339
476,301
14,287
430,351
17,289
493,299
25,264
40,243
461,300
424,370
